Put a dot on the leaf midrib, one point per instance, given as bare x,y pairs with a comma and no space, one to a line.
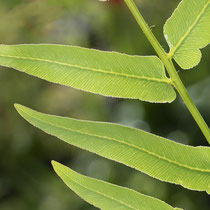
167,80
125,143
175,48
95,191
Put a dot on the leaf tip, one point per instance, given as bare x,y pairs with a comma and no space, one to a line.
55,164
58,167
18,107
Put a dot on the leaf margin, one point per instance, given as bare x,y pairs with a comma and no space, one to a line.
59,169
178,181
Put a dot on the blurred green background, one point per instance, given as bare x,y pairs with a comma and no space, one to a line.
27,180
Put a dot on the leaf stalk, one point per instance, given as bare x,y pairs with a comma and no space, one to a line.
176,81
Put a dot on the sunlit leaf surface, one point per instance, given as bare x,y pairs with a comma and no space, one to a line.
163,159
187,31
105,195
106,73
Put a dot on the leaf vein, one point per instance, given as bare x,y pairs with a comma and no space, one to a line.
167,80
175,48
98,192
125,143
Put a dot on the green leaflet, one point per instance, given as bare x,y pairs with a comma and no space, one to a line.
163,159
187,31
106,73
105,195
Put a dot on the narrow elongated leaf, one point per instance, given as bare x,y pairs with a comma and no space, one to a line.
187,31
106,73
105,195
163,159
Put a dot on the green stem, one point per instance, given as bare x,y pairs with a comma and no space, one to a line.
170,68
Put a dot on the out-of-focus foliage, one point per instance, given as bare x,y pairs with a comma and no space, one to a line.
27,180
